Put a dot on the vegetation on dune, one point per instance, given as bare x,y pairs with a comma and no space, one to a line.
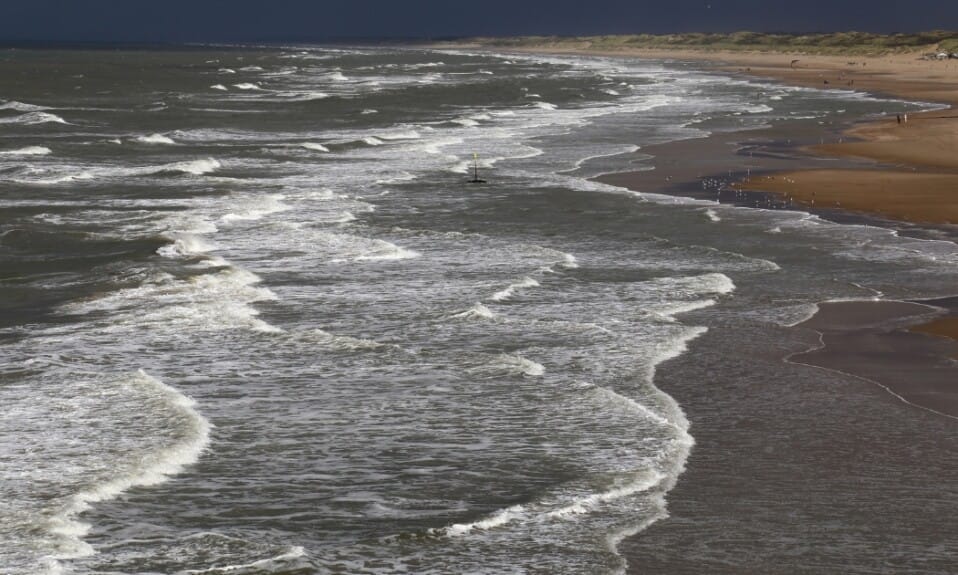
833,43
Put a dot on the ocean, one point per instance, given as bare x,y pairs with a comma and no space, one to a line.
255,320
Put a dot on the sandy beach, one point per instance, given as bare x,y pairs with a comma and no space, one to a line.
895,172
898,168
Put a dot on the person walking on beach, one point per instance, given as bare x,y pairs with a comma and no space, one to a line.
898,117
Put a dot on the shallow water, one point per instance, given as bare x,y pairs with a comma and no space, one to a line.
255,321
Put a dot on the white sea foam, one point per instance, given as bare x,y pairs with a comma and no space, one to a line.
226,71
314,147
251,69
247,86
477,311
186,245
519,365
511,290
154,139
304,96
546,106
345,218
588,503
254,207
715,283
569,261
369,111
219,87
146,470
386,251
373,141
284,72
497,519
710,213
21,107
32,118
341,342
212,302
280,563
195,167
28,151
798,314
64,179
336,77
400,135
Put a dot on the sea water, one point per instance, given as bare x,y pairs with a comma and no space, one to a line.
254,319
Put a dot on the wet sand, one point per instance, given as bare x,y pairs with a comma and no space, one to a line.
825,454
871,340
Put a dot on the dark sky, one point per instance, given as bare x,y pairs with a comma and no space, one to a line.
277,20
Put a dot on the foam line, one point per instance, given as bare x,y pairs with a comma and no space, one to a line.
150,469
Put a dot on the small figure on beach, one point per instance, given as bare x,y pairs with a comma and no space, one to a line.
898,117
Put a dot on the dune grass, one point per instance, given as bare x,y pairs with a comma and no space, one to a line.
834,43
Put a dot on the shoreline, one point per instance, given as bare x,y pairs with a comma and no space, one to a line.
909,163
864,357
881,342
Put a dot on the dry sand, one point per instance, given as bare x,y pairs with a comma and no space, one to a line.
906,171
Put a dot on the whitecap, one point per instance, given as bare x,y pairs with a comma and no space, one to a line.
475,312
255,207
278,564
314,147
497,519
519,365
341,342
401,135
219,87
373,141
712,216
21,107
58,179
195,167
154,139
149,469
32,118
589,502
247,86
186,245
383,251
208,302
511,290
758,109
28,151
304,96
